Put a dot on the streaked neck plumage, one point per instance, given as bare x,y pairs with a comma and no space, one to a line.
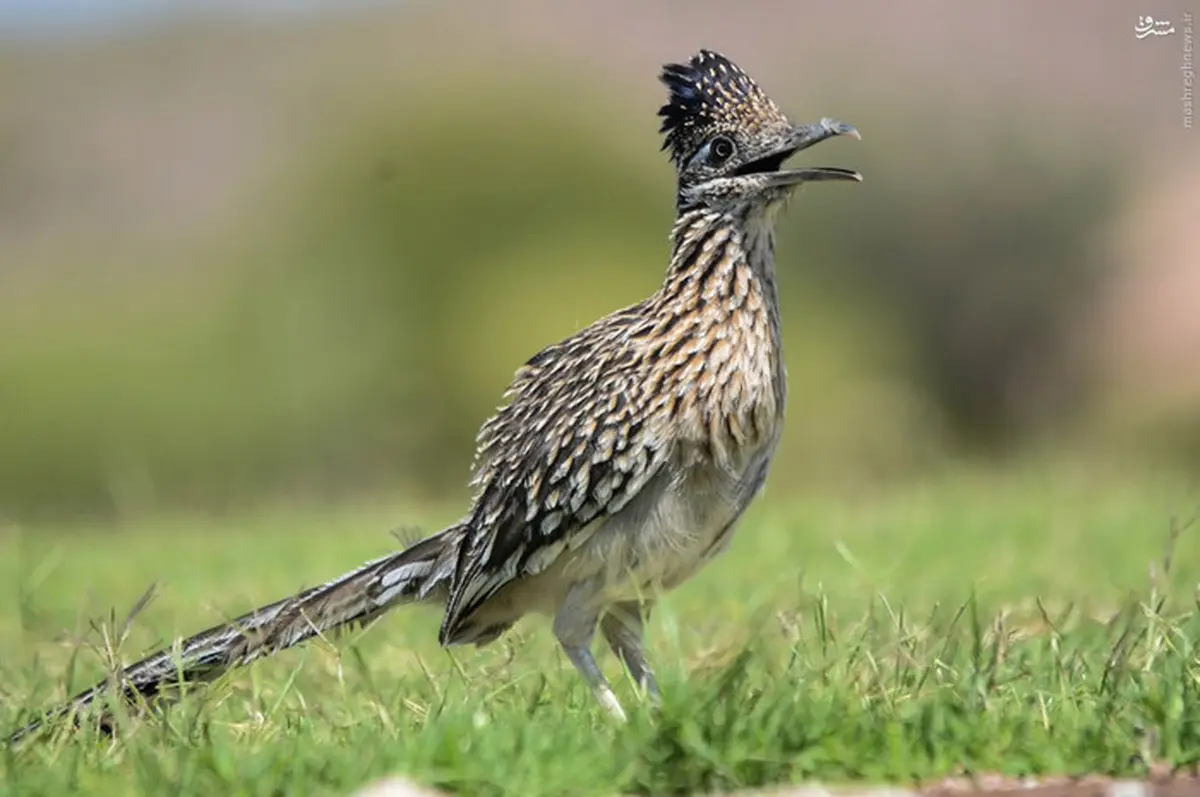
723,262
720,305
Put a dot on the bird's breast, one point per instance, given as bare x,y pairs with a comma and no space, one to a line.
731,407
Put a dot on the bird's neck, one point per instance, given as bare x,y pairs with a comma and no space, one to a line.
715,328
723,264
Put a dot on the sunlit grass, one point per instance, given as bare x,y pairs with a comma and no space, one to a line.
1024,623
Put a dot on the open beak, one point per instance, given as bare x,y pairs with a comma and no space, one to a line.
803,137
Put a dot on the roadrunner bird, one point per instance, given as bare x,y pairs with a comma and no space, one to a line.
623,456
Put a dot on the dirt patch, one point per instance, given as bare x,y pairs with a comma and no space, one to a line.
997,785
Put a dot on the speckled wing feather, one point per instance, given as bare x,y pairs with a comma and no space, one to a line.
577,440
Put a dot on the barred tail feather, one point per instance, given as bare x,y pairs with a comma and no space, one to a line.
420,573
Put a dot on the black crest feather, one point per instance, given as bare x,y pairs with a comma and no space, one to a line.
708,94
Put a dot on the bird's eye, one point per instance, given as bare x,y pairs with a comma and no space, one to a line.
720,150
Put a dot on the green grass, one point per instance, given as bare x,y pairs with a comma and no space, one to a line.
1020,623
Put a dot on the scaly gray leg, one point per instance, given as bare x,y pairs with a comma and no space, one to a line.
623,627
575,627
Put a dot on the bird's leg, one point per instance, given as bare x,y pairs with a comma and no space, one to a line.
575,627
622,627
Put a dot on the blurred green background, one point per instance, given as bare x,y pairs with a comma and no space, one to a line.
299,256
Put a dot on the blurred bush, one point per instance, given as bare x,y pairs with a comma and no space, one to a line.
988,255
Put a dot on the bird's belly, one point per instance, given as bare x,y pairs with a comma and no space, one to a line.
672,530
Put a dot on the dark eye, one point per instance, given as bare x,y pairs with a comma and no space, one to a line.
720,150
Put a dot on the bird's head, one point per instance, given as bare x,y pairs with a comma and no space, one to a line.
728,139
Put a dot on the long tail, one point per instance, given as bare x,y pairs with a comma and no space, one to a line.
420,573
